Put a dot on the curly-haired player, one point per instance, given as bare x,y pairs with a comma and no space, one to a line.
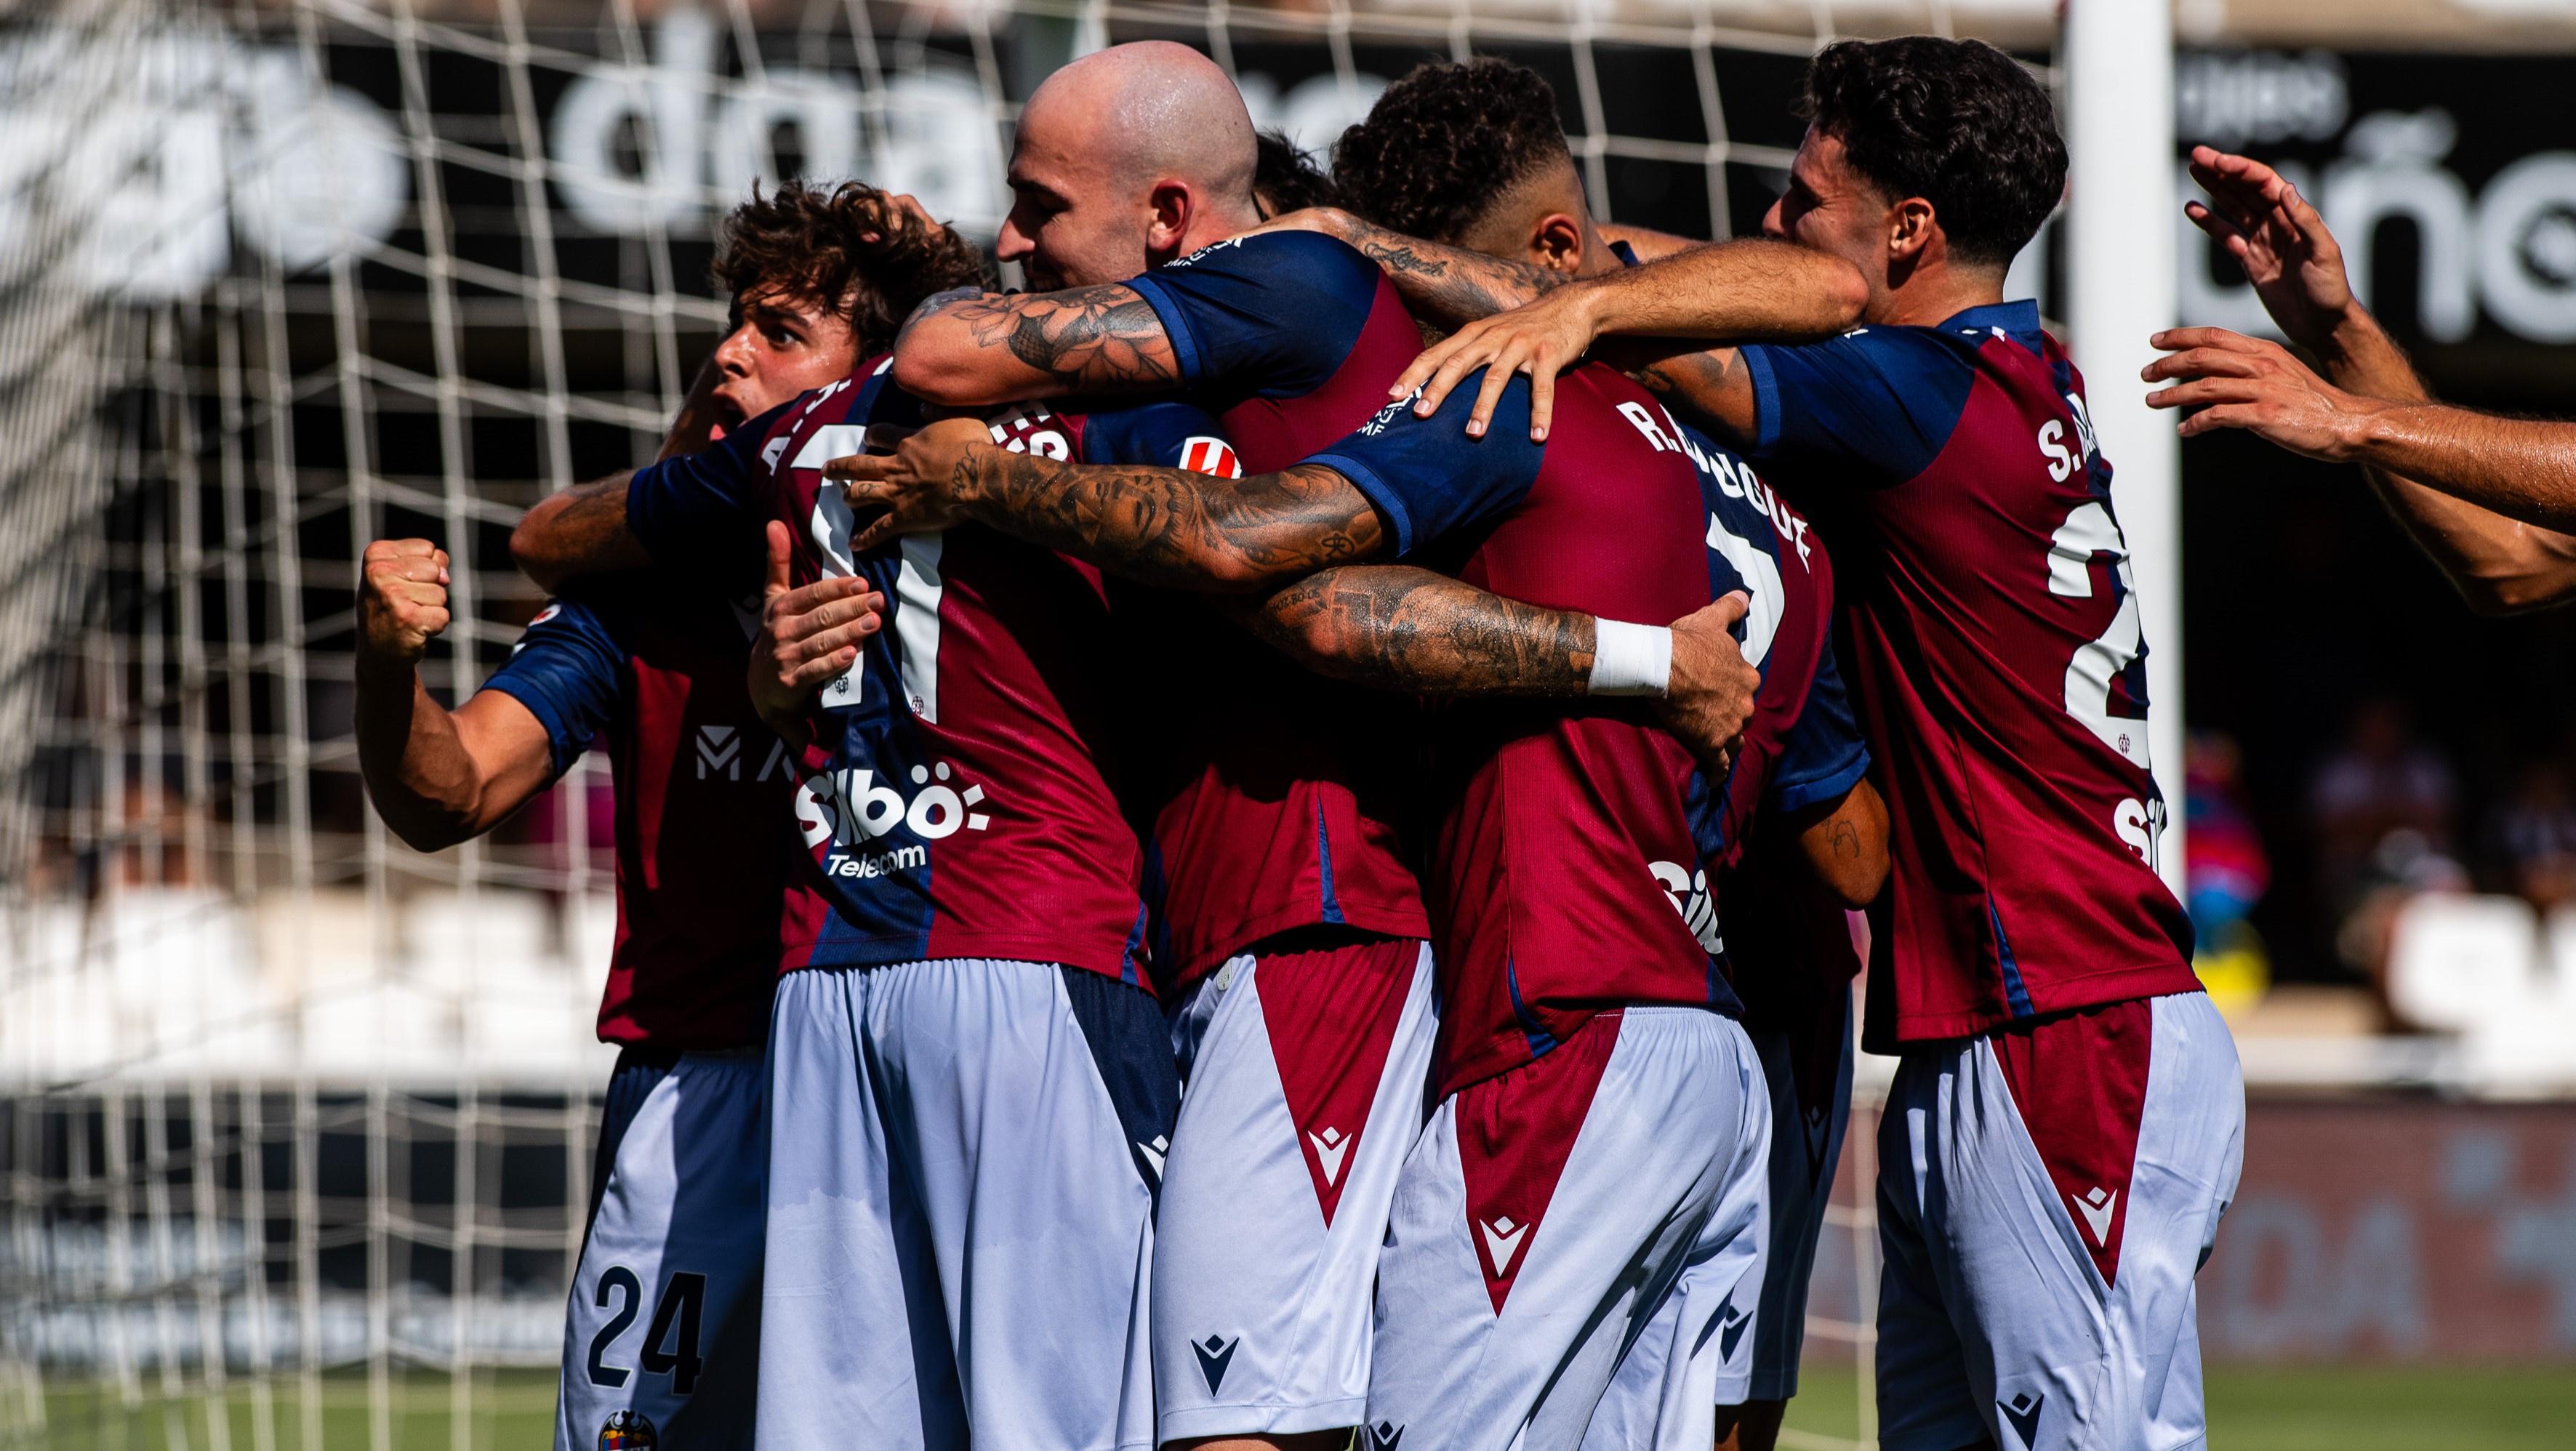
662,1333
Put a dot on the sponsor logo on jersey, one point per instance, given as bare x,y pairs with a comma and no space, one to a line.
2023,1413
852,808
1215,1354
1384,416
1201,454
1688,892
719,749
627,1431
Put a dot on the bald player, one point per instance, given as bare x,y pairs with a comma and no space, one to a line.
1292,924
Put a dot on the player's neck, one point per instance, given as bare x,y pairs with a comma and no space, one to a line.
1932,294
1211,227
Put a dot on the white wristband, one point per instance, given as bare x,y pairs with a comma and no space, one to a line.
1630,659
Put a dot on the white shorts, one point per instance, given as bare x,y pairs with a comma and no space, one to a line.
2046,1194
1527,1292
1306,1079
960,1221
664,1325
1810,1073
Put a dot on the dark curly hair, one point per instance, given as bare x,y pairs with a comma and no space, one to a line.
1285,179
849,246
1444,141
1955,122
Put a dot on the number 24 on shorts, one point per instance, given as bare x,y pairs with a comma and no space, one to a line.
683,1299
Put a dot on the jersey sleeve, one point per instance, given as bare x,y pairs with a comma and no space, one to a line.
570,674
1276,314
697,512
1427,477
1823,756
1873,406
1164,433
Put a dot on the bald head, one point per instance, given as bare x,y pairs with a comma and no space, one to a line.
1150,110
1149,143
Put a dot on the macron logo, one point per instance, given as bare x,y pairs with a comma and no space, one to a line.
1503,1241
719,748
2096,1207
1331,1147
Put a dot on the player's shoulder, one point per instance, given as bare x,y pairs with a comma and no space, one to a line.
1288,259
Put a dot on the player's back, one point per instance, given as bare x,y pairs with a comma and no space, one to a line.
656,667
1565,826
2001,673
1284,792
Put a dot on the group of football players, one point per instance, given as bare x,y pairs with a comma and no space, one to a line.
1259,843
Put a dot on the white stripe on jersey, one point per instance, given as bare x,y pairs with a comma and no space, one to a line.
917,590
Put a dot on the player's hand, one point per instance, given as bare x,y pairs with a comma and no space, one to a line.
2280,241
921,484
807,636
1542,339
1710,696
2233,381
402,600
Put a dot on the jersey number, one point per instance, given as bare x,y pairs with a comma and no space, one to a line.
1761,576
681,1312
2089,531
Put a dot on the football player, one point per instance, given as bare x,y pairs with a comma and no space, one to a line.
1289,919
2029,966
662,1336
1472,155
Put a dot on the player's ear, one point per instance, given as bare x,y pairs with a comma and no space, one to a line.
1909,229
1556,243
1170,208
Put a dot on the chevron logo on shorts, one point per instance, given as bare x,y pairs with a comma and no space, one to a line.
1215,1354
1384,1436
1503,1241
2024,1415
1731,1326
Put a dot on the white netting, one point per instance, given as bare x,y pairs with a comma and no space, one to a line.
296,1121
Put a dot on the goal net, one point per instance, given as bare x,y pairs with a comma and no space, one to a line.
296,1122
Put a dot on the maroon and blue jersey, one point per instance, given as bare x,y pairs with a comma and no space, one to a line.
655,668
957,798
1283,793
1995,645
1569,870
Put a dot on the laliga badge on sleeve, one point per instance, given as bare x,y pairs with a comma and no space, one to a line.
626,1431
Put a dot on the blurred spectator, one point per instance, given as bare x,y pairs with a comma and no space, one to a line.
2381,781
2534,835
2228,872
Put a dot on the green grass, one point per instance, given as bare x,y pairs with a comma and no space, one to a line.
512,1411
2374,1408
2302,1409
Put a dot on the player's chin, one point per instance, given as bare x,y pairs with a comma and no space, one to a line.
732,408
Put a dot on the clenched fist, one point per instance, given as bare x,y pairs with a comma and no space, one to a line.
402,603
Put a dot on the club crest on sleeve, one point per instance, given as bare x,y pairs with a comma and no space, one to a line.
1201,454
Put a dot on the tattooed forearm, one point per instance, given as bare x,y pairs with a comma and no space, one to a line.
1164,526
1446,284
1093,338
1398,627
579,531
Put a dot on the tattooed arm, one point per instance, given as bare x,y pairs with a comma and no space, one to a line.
969,349
1400,627
1445,285
1844,842
579,531
1162,526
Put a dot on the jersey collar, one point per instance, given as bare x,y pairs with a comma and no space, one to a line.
2016,320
